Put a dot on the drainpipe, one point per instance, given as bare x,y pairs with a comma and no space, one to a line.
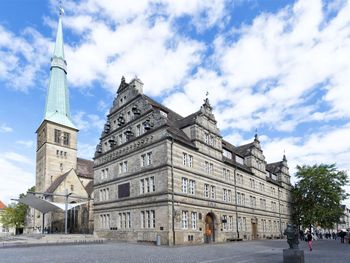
279,211
234,176
172,190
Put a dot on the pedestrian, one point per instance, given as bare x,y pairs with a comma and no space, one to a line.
342,234
301,234
309,240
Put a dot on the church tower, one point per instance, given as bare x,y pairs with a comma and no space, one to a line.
56,151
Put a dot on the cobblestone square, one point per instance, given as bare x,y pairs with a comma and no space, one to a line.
269,251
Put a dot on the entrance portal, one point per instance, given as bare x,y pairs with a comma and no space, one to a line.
72,220
254,231
209,235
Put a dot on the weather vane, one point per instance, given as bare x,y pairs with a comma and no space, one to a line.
207,94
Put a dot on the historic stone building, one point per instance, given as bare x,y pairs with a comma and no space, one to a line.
58,170
157,173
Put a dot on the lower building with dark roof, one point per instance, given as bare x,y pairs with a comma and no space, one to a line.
158,174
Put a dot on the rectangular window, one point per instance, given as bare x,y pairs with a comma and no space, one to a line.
142,186
184,184
153,219
224,222
125,166
226,174
206,138
212,192
57,136
184,159
151,183
252,183
184,219
147,185
194,220
211,141
146,159
230,223
187,160
149,158
209,167
66,137
192,188
142,217
190,160
206,190
128,220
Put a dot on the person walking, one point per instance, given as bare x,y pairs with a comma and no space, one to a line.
342,234
309,240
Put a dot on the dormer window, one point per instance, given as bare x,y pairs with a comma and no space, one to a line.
226,153
164,114
239,160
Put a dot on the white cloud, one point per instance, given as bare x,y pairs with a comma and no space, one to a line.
5,128
85,121
15,178
23,57
86,151
18,158
267,73
28,144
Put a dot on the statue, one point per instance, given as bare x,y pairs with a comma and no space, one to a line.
292,234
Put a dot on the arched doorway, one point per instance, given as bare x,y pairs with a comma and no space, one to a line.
209,234
72,219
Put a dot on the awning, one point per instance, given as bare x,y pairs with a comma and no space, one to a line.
45,206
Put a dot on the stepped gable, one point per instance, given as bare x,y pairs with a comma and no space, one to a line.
173,120
85,168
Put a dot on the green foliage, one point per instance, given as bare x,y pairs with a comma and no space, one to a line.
318,194
14,215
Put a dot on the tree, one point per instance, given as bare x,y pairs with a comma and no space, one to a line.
318,194
14,215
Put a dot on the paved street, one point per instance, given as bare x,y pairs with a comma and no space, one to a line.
241,252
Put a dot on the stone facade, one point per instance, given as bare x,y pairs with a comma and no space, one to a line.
157,173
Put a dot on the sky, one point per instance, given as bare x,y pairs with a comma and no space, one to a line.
279,67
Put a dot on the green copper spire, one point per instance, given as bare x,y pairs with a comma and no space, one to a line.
57,101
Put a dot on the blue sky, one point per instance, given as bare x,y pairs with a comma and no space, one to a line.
281,67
